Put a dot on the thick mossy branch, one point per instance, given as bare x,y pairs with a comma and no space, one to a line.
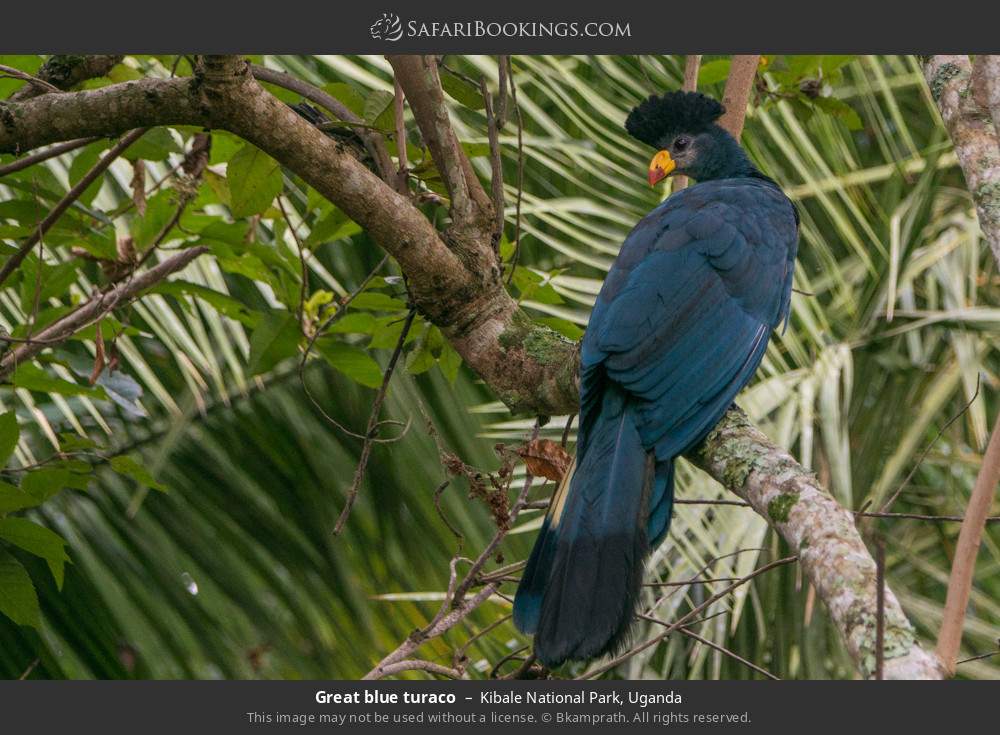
455,281
970,125
830,548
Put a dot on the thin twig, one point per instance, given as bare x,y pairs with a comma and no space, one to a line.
327,323
420,665
44,155
13,261
980,657
566,430
304,288
858,513
24,76
963,565
879,608
722,649
496,169
520,169
512,656
670,627
515,510
692,64
460,654
373,425
501,92
456,605
373,140
27,671
96,308
403,170
927,449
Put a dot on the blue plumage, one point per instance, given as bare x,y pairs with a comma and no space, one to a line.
680,326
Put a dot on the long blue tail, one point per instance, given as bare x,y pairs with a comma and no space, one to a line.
578,592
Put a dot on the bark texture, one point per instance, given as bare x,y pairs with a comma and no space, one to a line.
971,129
65,71
824,535
454,279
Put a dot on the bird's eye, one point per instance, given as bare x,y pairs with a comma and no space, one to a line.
681,143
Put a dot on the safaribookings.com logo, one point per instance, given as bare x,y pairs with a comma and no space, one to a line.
390,28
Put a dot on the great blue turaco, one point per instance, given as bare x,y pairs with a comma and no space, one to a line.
679,328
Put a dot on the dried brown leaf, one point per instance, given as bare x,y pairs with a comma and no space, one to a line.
545,458
99,361
138,185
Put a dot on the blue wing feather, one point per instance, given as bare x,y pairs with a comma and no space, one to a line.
679,327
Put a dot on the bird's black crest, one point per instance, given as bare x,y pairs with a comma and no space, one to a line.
661,118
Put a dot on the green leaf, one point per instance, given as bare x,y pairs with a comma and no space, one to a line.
352,98
26,211
840,109
476,150
18,600
9,435
160,209
126,465
532,286
332,226
387,331
42,484
15,498
378,110
32,377
461,90
123,390
39,541
70,442
352,361
81,164
99,244
420,360
254,181
713,72
54,282
565,327
275,339
224,147
221,302
156,145
449,362
359,323
374,301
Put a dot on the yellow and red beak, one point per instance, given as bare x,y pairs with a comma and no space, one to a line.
660,167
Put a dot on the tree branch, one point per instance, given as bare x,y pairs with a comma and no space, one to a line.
98,306
969,99
692,64
963,566
830,548
974,138
471,209
374,141
57,150
986,85
14,260
66,71
739,84
104,112
529,367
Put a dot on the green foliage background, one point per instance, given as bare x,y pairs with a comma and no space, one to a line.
232,571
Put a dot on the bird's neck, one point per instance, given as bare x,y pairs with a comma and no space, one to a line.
726,160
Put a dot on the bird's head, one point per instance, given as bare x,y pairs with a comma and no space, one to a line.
682,127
